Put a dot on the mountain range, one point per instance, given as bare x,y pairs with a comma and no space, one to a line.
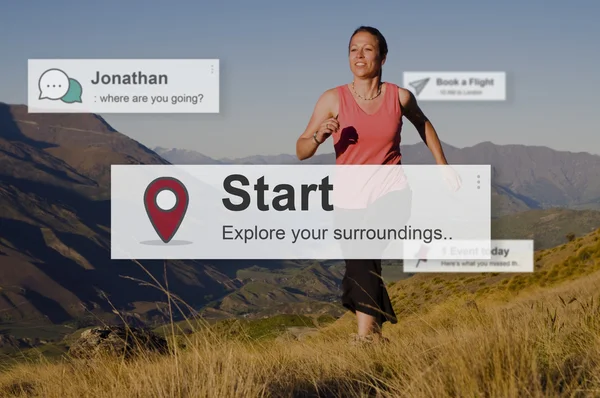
55,264
523,177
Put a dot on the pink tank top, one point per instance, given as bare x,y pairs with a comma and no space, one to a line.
370,144
368,138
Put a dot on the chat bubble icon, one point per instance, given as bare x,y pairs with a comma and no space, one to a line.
53,84
74,92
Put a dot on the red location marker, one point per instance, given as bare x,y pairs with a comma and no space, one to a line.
166,222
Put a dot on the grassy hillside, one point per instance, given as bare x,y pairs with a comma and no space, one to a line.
294,289
313,288
556,265
55,263
548,228
496,335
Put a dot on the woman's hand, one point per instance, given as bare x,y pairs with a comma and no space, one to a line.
328,127
451,177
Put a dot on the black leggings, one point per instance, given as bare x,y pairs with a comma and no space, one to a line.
363,288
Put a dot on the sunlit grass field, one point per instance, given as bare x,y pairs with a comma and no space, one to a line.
484,335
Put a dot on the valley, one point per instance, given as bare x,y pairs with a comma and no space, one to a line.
56,275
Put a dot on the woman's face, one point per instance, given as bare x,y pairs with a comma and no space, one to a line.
364,55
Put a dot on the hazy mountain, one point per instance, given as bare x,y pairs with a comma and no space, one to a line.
184,156
541,176
523,177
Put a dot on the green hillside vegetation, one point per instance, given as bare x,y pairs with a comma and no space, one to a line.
548,228
255,295
266,290
268,328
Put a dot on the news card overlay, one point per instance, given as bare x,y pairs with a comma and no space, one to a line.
123,85
298,211
503,256
456,86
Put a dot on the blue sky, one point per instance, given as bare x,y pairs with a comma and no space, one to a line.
278,57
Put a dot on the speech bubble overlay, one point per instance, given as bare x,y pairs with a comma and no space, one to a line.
456,86
53,84
123,85
306,212
503,256
74,93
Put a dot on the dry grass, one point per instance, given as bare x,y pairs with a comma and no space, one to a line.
545,344
537,342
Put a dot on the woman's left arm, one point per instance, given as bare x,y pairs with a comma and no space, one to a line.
415,115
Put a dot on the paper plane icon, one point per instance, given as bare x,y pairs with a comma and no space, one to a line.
419,85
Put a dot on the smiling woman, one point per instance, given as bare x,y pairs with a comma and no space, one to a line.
364,119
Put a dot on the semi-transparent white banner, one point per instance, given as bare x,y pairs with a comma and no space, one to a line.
503,256
299,211
123,85
456,86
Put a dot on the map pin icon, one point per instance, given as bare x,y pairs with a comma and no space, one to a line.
166,222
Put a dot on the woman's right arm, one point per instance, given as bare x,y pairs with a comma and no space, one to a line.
322,121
